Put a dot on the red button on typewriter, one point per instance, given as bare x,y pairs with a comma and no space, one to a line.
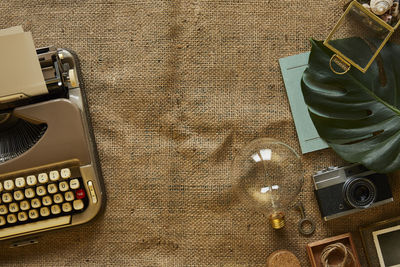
80,193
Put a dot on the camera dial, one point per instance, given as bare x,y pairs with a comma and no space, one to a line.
359,193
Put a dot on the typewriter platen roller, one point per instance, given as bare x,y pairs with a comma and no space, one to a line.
50,176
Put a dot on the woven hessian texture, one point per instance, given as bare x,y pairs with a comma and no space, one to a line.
174,89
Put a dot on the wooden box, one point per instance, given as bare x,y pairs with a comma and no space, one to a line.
314,249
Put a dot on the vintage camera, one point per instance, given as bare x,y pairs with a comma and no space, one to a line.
345,190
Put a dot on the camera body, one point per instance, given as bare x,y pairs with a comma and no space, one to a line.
345,190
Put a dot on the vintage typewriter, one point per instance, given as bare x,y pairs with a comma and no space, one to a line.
50,176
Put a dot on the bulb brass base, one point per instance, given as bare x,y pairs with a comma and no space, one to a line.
277,220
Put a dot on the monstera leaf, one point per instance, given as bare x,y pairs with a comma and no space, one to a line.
357,114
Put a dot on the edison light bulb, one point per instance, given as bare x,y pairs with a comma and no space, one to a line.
268,176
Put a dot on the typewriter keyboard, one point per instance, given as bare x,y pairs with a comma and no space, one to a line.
41,196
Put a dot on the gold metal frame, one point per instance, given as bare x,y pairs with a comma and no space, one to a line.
372,16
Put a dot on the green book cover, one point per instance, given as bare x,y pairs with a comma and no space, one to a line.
292,70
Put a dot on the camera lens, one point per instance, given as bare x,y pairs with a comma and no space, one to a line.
359,192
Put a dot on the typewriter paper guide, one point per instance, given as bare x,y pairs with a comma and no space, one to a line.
20,72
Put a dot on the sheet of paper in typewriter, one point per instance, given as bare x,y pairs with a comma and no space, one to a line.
20,72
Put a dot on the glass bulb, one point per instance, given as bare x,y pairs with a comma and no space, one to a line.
268,177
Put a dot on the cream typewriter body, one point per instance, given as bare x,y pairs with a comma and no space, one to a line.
50,176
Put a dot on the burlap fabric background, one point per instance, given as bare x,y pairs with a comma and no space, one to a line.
175,88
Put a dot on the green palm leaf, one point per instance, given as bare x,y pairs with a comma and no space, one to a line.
357,114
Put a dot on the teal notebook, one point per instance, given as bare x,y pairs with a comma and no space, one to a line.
292,69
